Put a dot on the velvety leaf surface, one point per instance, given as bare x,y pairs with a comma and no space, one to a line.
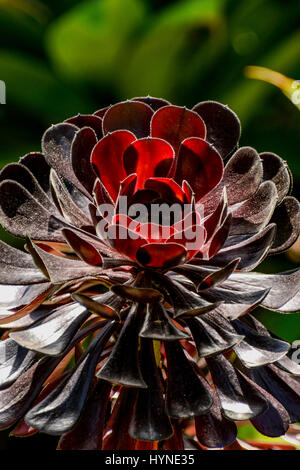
68,207
17,267
36,163
186,394
56,146
63,269
52,335
210,338
158,325
22,175
239,399
275,169
60,410
222,125
251,251
287,218
131,115
255,213
14,360
82,146
87,433
150,421
256,349
22,215
123,365
280,385
283,286
87,120
184,301
213,430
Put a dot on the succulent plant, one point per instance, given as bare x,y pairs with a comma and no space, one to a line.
124,324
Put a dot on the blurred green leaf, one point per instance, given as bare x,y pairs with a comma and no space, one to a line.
159,60
248,432
248,96
33,8
86,43
289,86
31,85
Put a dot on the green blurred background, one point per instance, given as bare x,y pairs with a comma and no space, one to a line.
62,57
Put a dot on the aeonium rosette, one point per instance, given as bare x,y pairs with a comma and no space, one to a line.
127,317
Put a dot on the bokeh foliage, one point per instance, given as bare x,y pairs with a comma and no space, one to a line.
62,57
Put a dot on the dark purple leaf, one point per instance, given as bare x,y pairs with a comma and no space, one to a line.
284,287
213,430
150,421
87,433
14,359
70,210
59,411
242,176
158,325
18,267
22,300
133,116
274,422
122,366
22,215
257,349
107,304
239,398
53,334
36,163
235,302
251,251
211,338
22,175
154,103
17,398
87,120
137,294
56,145
288,365
219,237
287,218
276,170
217,277
184,301
222,125
186,395
282,386
82,146
63,269
255,213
